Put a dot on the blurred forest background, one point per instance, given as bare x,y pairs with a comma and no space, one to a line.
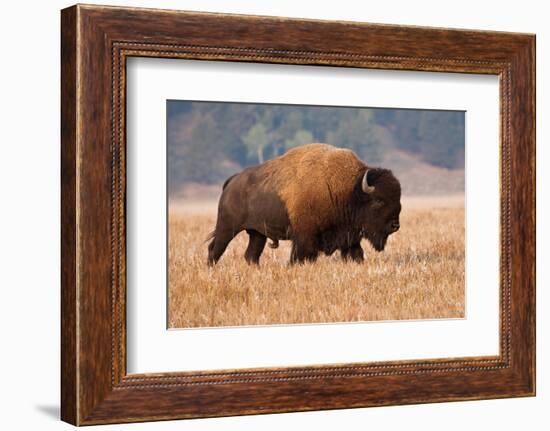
210,141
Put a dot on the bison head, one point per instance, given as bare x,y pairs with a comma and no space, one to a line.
380,194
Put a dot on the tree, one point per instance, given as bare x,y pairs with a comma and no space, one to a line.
441,136
301,137
358,133
256,139
208,141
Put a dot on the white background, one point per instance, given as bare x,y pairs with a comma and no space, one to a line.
29,225
151,348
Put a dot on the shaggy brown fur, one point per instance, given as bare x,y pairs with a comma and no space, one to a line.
313,196
310,179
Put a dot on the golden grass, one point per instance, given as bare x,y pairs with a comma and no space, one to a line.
420,275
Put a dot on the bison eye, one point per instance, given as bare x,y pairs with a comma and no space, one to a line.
377,203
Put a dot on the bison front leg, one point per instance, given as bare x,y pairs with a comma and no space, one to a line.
256,244
302,251
355,253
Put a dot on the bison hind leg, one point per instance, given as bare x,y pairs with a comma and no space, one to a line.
256,244
219,243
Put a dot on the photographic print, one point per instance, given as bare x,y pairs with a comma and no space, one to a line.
293,214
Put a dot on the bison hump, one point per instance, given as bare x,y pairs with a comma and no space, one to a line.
315,182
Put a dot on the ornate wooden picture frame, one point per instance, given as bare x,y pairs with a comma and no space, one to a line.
96,41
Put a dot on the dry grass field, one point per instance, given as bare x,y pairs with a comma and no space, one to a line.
420,275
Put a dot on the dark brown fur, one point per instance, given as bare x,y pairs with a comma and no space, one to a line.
312,195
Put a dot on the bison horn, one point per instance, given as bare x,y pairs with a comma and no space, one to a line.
365,184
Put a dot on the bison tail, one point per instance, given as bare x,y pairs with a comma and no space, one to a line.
210,236
274,243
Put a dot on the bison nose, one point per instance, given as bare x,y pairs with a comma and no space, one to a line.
395,226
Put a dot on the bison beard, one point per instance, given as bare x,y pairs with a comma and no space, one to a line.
378,241
320,197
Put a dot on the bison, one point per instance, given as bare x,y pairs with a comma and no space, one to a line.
320,197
